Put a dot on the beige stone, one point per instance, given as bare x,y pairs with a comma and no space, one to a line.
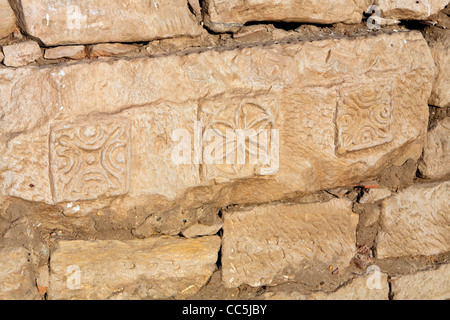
7,19
200,229
435,162
154,268
260,245
410,9
415,222
374,195
21,53
71,52
423,285
96,21
372,113
1,57
111,49
373,286
440,95
16,281
230,15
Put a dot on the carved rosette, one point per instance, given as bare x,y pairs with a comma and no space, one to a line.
89,159
364,118
254,116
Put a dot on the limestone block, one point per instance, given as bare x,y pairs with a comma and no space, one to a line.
95,21
415,221
7,19
435,163
261,244
152,268
21,53
440,95
16,281
410,9
230,15
423,285
341,111
373,286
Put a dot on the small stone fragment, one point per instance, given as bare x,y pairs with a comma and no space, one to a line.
22,53
374,195
111,49
70,52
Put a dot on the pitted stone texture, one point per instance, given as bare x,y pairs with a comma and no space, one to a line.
372,113
373,286
415,222
440,95
94,21
230,15
16,281
7,19
423,285
152,268
261,244
410,9
21,53
435,163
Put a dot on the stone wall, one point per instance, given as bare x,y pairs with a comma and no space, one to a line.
119,180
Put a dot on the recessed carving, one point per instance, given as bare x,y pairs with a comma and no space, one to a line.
364,118
89,159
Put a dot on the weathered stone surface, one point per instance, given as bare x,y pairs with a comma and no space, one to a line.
435,162
410,9
152,268
95,21
415,221
22,53
1,57
7,19
111,49
71,52
260,245
105,128
373,286
423,285
15,277
226,15
440,94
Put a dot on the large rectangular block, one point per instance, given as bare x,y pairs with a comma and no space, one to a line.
155,268
342,110
57,22
16,279
423,285
7,19
226,15
410,9
260,245
415,221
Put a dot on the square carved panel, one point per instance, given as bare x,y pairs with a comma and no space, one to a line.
89,159
364,118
